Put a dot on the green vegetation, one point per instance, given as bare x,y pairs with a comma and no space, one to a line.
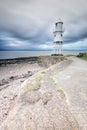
83,56
70,55
36,83
53,80
59,89
32,84
60,57
62,94
56,72
43,72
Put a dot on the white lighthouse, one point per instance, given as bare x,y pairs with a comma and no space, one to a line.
58,42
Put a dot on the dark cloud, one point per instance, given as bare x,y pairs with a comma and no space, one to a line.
33,21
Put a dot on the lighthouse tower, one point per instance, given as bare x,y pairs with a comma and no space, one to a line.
58,42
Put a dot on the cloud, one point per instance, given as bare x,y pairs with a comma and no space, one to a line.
8,41
30,22
80,45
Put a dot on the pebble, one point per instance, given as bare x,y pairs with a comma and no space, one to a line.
6,105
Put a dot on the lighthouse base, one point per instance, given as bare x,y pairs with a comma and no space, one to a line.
56,54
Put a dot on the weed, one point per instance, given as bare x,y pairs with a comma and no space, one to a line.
62,94
56,72
53,80
43,72
59,89
36,83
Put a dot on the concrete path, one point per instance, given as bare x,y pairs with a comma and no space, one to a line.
73,80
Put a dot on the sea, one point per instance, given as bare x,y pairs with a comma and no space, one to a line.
19,54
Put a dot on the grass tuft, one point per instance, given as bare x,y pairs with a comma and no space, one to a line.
62,94
56,72
59,89
53,80
36,83
43,72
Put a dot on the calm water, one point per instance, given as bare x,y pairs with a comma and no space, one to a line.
16,54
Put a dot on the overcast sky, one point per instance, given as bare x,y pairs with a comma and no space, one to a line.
29,24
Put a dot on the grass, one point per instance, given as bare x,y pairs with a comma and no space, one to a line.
70,55
60,57
56,72
43,72
59,89
62,94
84,57
53,80
36,83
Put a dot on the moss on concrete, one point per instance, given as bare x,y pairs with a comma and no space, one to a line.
53,80
36,83
59,89
43,72
62,94
56,72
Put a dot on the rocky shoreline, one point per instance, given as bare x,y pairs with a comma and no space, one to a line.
18,60
13,72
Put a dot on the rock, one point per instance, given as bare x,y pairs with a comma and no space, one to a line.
5,97
46,97
3,87
3,82
30,97
22,81
29,72
12,77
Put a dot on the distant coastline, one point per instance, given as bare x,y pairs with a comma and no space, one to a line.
25,54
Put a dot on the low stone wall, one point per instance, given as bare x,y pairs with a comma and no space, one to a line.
50,60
